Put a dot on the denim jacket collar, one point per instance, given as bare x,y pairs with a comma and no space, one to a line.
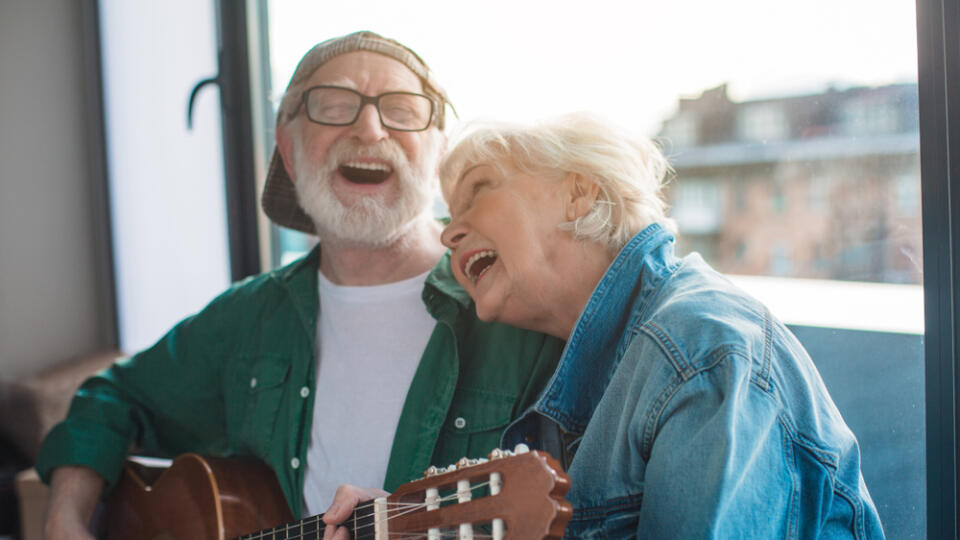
592,353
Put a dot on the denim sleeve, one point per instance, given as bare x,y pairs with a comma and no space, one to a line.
717,463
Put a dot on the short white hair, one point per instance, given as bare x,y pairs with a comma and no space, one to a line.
630,170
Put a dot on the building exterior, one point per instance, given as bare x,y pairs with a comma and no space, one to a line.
823,186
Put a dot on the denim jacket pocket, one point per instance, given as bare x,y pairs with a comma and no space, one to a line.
474,423
615,520
264,396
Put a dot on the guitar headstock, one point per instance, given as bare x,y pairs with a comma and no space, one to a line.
518,495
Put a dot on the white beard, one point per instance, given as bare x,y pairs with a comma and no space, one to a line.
371,221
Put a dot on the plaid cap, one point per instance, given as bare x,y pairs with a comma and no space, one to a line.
279,199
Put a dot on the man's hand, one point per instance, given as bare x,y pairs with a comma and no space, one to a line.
344,501
74,493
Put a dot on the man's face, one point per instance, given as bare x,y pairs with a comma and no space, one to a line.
362,183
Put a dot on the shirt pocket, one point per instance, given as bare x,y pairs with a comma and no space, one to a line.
474,424
264,393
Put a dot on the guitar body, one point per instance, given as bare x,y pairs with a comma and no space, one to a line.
517,495
197,497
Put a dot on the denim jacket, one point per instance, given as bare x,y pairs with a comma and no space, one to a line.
683,409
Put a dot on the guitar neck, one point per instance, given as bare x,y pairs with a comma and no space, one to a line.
360,524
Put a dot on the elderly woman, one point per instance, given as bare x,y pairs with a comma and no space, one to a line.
681,407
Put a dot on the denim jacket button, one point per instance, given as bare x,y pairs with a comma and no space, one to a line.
460,422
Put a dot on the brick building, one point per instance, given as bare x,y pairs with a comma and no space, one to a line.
822,186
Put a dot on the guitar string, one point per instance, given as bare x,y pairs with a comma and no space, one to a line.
413,507
407,509
444,533
398,535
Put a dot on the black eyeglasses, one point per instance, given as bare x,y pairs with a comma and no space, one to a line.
338,106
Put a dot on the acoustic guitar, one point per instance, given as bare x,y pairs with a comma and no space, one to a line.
511,495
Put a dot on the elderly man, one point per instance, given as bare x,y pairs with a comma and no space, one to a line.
357,363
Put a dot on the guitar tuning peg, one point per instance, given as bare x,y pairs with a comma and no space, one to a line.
496,453
521,449
431,471
463,463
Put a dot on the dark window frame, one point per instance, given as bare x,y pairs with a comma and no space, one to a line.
939,101
239,168
939,110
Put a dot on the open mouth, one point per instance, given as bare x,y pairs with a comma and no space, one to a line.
478,264
365,173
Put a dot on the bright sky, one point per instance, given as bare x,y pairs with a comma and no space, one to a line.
523,59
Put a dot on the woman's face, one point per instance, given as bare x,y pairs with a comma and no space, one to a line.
506,248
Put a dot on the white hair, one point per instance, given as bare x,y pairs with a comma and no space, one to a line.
629,170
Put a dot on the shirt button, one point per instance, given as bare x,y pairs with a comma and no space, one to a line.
295,463
304,392
253,382
460,423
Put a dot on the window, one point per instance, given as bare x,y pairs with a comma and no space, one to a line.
697,207
681,130
818,196
907,195
816,141
762,123
870,117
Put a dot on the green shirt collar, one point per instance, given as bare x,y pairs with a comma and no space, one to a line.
441,281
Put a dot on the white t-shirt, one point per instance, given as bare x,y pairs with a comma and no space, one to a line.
369,344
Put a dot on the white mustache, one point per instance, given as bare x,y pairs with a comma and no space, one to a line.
346,150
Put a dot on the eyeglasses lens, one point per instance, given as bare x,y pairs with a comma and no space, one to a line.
340,106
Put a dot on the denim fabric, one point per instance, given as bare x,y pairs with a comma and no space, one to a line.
687,411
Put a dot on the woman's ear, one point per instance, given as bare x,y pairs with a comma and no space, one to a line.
580,195
285,148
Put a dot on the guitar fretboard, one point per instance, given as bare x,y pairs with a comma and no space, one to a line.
360,524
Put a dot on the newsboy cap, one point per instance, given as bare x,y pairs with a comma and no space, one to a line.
279,199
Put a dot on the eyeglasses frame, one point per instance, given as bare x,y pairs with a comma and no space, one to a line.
364,100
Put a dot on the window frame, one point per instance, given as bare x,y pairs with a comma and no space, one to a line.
240,185
939,100
939,116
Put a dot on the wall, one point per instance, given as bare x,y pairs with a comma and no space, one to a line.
876,380
51,270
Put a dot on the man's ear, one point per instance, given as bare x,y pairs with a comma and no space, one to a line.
580,193
285,147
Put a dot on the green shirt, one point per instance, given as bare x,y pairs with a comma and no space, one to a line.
238,379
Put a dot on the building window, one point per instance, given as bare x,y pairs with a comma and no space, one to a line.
680,131
777,199
800,110
697,207
818,194
870,117
762,123
781,263
907,189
